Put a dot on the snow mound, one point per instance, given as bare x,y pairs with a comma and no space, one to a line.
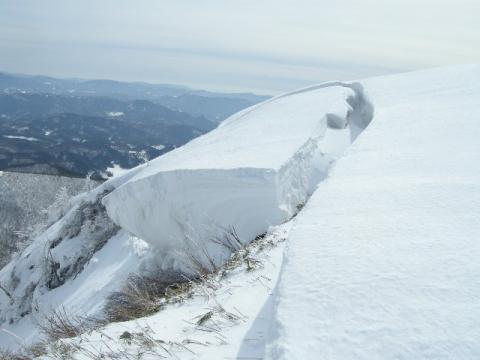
382,263
257,169
254,171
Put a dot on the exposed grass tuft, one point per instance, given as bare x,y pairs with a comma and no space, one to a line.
9,355
141,296
25,352
60,325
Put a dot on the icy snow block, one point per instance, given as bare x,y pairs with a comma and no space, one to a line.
253,171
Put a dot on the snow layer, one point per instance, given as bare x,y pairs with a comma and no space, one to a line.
74,265
383,261
176,331
254,171
180,202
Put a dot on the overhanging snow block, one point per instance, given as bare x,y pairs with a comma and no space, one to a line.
253,171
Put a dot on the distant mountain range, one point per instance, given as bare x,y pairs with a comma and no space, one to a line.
214,106
80,127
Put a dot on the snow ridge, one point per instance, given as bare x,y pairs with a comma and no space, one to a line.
299,177
249,174
254,180
382,263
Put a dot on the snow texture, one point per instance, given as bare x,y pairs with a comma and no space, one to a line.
176,328
73,265
382,263
257,169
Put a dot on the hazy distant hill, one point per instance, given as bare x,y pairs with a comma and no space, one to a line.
214,106
80,127
70,135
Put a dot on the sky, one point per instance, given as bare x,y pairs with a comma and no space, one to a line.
263,46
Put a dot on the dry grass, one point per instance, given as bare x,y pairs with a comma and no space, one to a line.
202,264
25,352
229,240
60,325
9,355
61,350
145,295
140,296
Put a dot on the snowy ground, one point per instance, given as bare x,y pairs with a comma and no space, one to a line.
255,170
74,264
224,317
116,170
26,200
380,263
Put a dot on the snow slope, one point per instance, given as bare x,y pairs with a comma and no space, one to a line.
255,170
25,200
175,331
383,261
73,265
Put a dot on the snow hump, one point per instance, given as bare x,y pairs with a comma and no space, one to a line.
257,169
382,263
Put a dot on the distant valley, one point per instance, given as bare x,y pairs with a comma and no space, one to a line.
93,127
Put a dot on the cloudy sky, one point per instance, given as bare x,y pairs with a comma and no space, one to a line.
265,46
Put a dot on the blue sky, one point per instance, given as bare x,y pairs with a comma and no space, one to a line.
244,45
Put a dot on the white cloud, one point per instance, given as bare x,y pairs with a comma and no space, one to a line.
222,43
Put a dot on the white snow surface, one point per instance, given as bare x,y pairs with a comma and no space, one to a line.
179,203
115,113
383,261
254,171
116,170
20,137
238,330
159,147
111,254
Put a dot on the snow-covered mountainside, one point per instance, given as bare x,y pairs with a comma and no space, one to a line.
254,171
380,254
26,203
387,248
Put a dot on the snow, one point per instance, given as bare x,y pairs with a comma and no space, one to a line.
84,295
115,113
20,137
141,155
218,338
116,170
380,261
274,156
159,147
383,261
67,242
